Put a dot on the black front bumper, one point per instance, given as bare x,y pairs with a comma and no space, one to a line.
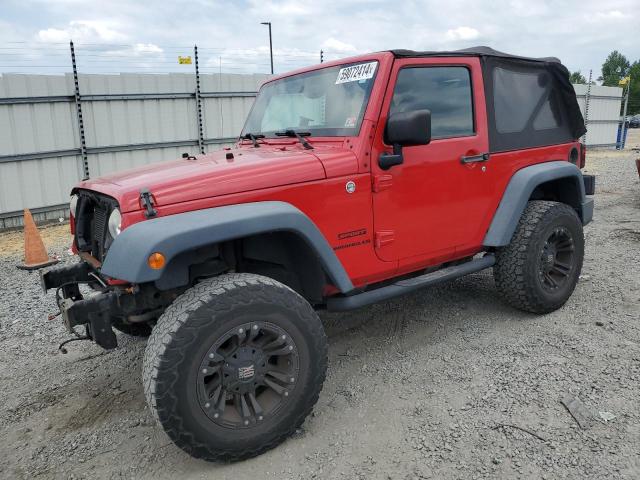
112,304
95,312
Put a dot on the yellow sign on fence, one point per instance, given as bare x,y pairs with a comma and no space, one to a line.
184,60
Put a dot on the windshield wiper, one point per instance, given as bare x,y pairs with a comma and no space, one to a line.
299,135
253,137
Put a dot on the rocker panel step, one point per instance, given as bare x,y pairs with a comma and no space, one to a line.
402,287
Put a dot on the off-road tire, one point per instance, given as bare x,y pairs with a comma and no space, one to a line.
181,339
517,271
134,329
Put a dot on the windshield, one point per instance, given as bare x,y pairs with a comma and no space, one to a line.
327,102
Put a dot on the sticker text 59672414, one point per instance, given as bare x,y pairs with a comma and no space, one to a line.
355,73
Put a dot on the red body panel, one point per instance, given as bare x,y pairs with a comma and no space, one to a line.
429,210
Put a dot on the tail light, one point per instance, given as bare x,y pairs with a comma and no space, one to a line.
583,156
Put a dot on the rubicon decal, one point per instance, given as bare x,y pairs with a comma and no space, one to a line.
351,234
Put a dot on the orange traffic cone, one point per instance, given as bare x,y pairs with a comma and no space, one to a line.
35,255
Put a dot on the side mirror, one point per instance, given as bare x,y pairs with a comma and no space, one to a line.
405,129
409,128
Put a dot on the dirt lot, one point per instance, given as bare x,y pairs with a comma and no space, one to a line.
446,383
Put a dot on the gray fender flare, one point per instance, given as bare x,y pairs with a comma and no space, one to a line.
175,234
518,192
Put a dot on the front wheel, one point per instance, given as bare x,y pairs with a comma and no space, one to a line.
234,366
538,271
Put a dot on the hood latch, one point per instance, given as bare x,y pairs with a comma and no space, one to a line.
147,201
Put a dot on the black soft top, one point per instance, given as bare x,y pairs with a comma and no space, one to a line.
479,51
530,101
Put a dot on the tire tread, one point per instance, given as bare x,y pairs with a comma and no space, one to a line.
177,324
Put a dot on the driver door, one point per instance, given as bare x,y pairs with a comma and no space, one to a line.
434,205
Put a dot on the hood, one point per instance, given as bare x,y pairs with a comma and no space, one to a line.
210,175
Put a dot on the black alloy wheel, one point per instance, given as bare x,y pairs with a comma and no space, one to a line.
557,259
247,375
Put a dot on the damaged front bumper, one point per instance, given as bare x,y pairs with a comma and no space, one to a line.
100,311
94,312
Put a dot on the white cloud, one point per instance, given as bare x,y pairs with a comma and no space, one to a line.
580,32
84,31
462,33
334,45
611,15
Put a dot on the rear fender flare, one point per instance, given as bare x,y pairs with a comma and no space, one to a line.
175,234
518,193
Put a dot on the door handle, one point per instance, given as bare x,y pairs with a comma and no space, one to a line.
483,157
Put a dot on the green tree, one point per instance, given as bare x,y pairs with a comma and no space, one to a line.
577,77
614,68
634,92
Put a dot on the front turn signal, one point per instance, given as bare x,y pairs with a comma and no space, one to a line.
156,261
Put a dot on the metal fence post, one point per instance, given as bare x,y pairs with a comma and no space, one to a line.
586,107
198,103
83,143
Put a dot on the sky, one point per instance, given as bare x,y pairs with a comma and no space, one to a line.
128,35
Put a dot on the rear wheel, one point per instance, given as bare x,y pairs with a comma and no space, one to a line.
538,271
234,366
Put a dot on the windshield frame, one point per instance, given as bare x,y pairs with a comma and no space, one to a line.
322,132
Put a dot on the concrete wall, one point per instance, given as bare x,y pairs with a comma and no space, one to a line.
129,120
603,116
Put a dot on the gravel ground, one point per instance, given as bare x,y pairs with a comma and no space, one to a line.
447,383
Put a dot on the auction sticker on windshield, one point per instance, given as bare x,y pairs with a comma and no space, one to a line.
355,73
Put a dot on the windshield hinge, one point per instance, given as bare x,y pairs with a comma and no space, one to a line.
147,202
382,182
384,237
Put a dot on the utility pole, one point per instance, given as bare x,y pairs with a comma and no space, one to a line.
587,97
270,44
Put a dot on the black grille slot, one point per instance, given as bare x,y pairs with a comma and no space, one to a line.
100,216
92,227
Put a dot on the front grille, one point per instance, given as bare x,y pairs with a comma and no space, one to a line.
91,223
100,218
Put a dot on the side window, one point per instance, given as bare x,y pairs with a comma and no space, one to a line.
445,91
524,98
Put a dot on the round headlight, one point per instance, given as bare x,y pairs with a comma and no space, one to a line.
115,219
73,204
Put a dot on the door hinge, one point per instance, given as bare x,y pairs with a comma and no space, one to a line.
384,237
382,182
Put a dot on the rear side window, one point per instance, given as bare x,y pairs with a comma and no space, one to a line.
445,91
523,100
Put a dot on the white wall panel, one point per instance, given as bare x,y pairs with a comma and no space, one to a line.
36,127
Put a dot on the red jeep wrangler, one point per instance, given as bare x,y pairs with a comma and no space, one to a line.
352,182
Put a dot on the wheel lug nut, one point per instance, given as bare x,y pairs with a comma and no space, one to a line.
255,327
290,347
260,417
241,330
283,337
211,355
293,379
246,422
207,405
204,370
216,415
286,394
